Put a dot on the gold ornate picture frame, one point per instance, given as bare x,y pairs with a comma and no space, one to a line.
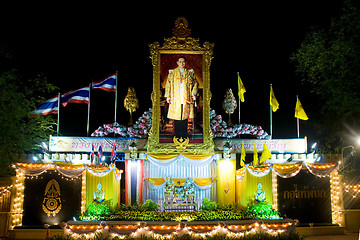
181,45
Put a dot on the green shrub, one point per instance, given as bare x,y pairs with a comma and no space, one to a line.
210,212
97,209
150,205
259,210
208,205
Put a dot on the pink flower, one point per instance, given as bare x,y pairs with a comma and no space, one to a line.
259,128
108,126
142,125
245,128
230,130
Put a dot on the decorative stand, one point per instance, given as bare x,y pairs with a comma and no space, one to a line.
179,198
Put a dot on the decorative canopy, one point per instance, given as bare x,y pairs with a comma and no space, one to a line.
68,170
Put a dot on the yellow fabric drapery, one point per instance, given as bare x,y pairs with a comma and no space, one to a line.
165,157
156,181
245,189
226,181
204,181
181,181
321,166
287,168
110,186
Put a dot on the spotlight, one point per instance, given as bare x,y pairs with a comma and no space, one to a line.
35,158
44,145
318,159
289,159
313,148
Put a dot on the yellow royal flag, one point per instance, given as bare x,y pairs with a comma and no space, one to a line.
265,155
273,102
243,155
242,89
299,111
256,157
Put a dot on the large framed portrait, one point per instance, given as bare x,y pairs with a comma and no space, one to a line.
181,97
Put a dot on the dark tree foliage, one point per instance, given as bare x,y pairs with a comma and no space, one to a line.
20,133
328,62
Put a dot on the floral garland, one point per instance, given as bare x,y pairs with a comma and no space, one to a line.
142,127
220,129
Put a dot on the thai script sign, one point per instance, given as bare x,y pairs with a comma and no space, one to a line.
306,193
84,144
305,197
297,145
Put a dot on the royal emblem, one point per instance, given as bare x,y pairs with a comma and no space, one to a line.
52,200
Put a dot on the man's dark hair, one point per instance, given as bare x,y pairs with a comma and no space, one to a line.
182,57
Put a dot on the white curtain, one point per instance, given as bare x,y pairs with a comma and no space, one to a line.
180,167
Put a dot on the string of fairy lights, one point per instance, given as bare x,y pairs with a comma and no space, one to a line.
335,184
4,190
165,231
336,198
353,190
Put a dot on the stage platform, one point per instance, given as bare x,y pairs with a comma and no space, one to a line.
136,228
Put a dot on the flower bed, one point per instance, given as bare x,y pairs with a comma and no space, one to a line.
218,126
149,212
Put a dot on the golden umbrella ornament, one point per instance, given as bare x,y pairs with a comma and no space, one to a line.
131,103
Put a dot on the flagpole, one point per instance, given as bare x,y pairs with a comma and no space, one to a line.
298,122
116,94
239,96
58,116
88,116
271,127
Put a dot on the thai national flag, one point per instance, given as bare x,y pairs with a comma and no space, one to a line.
50,106
100,154
81,95
92,155
107,84
113,154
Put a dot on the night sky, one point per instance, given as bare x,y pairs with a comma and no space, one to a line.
74,45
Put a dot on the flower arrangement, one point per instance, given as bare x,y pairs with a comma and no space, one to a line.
220,128
229,104
140,129
209,211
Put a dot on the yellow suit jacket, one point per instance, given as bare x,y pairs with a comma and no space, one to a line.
172,90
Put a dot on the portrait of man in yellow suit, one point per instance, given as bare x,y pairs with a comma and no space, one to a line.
180,93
